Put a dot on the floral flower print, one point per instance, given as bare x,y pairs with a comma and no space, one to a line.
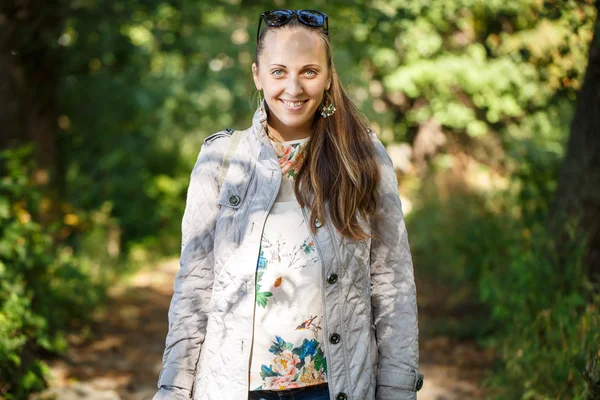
285,363
295,261
262,297
286,166
279,382
287,297
294,367
308,247
283,151
311,375
290,157
299,161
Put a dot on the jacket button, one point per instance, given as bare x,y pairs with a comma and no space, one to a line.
332,278
318,223
234,200
335,339
341,396
419,384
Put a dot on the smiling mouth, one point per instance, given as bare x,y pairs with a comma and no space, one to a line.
293,104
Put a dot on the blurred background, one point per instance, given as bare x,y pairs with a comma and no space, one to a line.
489,109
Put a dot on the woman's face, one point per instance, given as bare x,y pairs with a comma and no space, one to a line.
293,75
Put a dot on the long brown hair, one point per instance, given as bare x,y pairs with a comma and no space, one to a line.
340,167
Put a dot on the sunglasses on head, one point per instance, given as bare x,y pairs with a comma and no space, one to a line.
281,17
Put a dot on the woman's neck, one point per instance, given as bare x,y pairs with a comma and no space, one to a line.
281,133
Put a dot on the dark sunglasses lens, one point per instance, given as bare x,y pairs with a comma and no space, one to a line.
311,18
278,18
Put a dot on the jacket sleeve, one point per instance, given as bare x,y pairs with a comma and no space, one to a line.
393,292
188,311
167,392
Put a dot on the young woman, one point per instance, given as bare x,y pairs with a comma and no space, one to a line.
296,277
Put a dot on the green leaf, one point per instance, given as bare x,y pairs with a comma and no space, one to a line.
262,298
320,362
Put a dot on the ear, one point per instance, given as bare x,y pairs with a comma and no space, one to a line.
328,82
255,77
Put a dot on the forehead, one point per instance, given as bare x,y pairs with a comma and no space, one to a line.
293,46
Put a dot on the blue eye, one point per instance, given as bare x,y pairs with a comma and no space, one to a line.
277,72
311,72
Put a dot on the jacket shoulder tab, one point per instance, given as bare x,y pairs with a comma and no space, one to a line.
225,133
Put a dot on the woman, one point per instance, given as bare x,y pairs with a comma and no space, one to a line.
296,278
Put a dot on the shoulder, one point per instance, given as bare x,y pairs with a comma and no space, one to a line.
224,134
380,151
215,145
388,184
212,151
221,139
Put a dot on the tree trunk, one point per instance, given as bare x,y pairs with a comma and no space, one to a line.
29,77
577,197
578,194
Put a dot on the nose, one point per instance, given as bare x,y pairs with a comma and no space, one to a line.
294,87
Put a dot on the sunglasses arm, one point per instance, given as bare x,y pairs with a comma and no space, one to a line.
259,23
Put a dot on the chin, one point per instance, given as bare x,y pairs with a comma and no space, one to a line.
294,120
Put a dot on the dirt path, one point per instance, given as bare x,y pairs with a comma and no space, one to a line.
123,359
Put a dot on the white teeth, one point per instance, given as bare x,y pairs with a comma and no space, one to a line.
293,103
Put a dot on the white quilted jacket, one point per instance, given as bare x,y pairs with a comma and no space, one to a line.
371,305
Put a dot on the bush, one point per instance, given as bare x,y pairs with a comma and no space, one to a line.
541,315
545,312
547,322
44,288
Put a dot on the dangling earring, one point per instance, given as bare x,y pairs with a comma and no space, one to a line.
327,110
260,107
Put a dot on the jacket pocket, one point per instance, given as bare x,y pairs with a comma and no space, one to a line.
374,351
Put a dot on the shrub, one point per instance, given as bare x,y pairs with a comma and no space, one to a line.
541,313
547,319
44,288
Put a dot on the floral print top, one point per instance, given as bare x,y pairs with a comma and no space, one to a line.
287,350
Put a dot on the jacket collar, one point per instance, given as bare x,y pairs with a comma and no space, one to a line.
243,162
257,135
254,147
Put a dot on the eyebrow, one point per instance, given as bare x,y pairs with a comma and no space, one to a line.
305,66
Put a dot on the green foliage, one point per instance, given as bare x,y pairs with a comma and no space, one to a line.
543,316
142,83
465,230
548,323
44,289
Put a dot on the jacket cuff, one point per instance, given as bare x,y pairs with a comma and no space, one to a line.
172,393
394,393
400,379
173,377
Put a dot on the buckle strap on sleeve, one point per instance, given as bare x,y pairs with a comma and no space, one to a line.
412,380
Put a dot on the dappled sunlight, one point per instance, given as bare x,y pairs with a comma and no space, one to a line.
123,355
122,358
488,111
